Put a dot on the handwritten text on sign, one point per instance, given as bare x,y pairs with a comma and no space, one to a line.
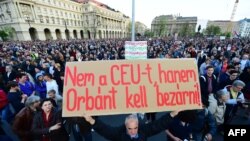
115,87
136,50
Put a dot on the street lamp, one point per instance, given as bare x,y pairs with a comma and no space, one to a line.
65,24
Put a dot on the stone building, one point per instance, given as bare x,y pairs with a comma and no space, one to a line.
62,19
165,25
225,25
244,27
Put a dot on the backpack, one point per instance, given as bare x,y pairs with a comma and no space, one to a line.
204,78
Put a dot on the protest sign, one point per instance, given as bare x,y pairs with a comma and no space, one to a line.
130,86
136,50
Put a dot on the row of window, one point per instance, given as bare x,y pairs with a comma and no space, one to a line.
59,13
52,20
62,4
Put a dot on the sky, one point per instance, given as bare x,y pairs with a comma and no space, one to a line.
147,10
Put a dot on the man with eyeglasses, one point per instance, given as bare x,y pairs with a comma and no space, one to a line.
236,99
229,81
132,130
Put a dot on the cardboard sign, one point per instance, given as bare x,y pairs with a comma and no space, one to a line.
135,50
130,86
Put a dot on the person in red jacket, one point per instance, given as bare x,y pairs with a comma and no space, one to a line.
3,100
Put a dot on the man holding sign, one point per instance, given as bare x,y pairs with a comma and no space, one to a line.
131,131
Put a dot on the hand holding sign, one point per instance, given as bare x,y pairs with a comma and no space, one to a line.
130,86
89,119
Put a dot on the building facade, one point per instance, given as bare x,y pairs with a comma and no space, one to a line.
140,28
244,28
225,25
61,19
102,21
165,25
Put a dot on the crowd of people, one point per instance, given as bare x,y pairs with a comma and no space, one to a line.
31,87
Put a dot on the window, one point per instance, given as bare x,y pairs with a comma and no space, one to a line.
53,20
41,19
47,19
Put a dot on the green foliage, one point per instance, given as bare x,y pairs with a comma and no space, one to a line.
186,30
228,34
129,27
162,27
137,26
213,30
6,33
3,35
148,33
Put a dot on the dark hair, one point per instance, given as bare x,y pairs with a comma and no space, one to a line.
209,67
20,75
52,91
44,100
48,75
187,116
237,63
230,67
233,71
12,84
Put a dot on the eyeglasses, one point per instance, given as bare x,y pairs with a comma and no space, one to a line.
37,101
239,88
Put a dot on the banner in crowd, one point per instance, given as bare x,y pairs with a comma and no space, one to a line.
135,50
130,86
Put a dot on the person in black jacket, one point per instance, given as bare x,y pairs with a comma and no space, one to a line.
208,83
9,75
131,131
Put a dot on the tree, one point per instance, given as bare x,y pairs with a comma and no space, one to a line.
228,34
185,30
148,33
213,30
3,35
216,30
6,33
137,27
162,26
129,27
